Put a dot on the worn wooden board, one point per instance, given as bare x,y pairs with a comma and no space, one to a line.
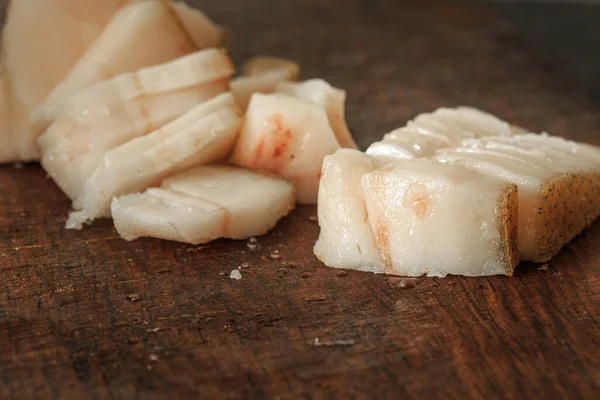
68,327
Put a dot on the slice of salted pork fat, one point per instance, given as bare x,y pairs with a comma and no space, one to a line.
322,94
41,41
289,135
204,204
142,34
112,112
558,180
204,135
423,217
261,75
442,128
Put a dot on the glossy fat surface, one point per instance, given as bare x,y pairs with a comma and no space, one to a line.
203,135
535,163
441,128
112,112
411,217
288,137
204,204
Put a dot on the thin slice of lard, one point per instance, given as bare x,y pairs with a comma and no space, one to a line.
204,204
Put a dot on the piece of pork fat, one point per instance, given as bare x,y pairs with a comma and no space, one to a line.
204,204
142,34
288,137
49,34
112,112
345,240
558,180
444,127
424,217
321,93
261,75
204,135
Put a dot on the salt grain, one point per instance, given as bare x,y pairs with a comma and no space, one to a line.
252,244
133,297
403,283
318,343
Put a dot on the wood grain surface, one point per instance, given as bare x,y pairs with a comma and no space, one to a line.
88,315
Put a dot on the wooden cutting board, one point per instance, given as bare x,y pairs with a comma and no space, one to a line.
88,315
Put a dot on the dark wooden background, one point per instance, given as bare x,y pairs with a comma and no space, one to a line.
69,327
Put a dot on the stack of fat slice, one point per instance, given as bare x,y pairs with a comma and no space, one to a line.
456,191
54,48
138,118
